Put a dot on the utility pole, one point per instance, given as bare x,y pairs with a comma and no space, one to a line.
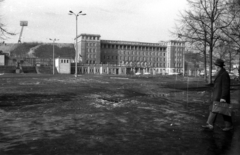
53,54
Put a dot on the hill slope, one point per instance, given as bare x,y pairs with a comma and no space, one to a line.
38,50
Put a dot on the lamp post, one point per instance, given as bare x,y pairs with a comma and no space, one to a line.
76,53
53,52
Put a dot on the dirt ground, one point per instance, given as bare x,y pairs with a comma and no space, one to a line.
110,115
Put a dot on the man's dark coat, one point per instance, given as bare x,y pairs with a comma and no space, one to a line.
221,89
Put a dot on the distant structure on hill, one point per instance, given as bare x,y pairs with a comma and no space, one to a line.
22,24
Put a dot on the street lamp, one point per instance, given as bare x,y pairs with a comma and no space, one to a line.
76,53
53,52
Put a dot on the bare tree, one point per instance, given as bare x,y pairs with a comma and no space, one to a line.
232,32
3,31
226,50
202,24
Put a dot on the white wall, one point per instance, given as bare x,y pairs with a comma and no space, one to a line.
2,60
63,65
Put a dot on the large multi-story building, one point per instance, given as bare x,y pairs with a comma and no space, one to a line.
162,57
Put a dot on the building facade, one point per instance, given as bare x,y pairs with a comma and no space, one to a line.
63,65
175,56
155,58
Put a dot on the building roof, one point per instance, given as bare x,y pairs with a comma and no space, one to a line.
92,35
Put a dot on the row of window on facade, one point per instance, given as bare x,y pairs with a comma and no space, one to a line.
178,49
178,54
109,46
144,64
177,44
135,53
91,50
137,63
130,63
133,58
91,37
177,59
91,44
177,65
91,56
64,61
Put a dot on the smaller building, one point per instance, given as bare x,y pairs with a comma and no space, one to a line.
63,65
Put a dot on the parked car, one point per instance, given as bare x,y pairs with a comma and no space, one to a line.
202,74
138,73
174,73
146,73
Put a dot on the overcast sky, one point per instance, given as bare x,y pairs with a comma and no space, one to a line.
128,20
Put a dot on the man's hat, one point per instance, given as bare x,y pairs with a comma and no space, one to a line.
219,62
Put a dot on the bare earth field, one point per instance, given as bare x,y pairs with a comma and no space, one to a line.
110,115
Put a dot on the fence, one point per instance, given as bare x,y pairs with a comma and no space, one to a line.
28,61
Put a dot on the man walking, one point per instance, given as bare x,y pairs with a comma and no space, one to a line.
221,93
